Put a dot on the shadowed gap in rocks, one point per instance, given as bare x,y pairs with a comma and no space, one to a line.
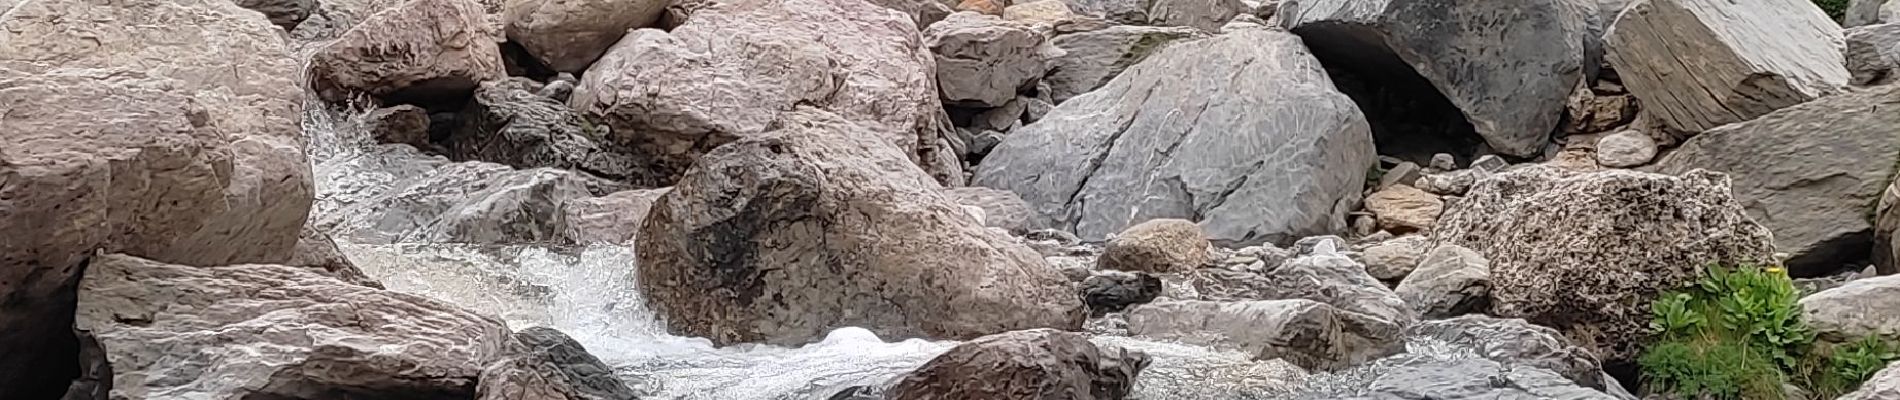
1410,119
44,357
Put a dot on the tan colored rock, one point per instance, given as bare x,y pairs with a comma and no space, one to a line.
986,7
1699,64
1592,112
1039,12
173,331
1625,149
1025,365
614,218
783,236
404,124
1451,281
1404,209
983,60
420,51
1392,260
568,35
1162,245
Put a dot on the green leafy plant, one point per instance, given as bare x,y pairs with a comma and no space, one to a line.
1836,9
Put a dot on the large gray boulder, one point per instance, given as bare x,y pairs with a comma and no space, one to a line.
1509,65
783,236
225,332
1304,332
983,60
1811,173
568,35
1861,308
420,51
1025,365
735,68
1648,234
1699,64
1873,54
1085,61
1274,154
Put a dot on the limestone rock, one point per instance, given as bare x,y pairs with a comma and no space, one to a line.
1861,308
421,51
1039,12
983,60
1454,183
924,12
466,202
332,18
1338,281
984,7
315,250
1873,54
1088,60
545,364
568,35
614,218
1625,149
782,237
735,68
1592,112
1809,173
1514,342
1114,291
1404,209
1450,281
1122,154
1003,209
284,13
1475,379
1699,64
1162,245
1310,334
1206,15
1025,365
1870,12
1886,250
1405,173
1392,260
173,331
1123,12
401,124
1508,65
1883,385
507,124
1649,233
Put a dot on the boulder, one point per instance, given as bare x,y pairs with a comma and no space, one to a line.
1474,379
614,218
1886,251
1088,60
1307,333
392,57
1648,233
1509,66
1873,54
1206,15
983,60
1162,245
924,12
401,124
438,201
1451,281
1039,12
508,124
315,250
1871,12
545,364
1883,385
1122,12
1392,260
1025,365
1338,281
1125,153
568,36
1698,64
1861,308
735,68
1405,209
1626,149
1516,343
1589,111
985,7
1113,291
332,18
1810,173
784,236
174,331
1002,209
285,13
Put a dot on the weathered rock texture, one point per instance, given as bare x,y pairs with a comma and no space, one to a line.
389,56
1647,233
1515,342
1451,281
1273,154
284,13
614,218
1870,12
1873,54
1001,209
736,67
1392,260
545,364
1025,365
1861,308
1883,385
508,124
983,60
1405,209
1088,60
437,201
568,35
1507,65
1475,379
1699,64
1162,245
1811,173
784,236
1113,291
1304,332
315,250
173,331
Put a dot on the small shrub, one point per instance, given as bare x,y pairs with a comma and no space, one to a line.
1836,9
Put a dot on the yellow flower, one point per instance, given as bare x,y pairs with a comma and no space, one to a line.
1777,270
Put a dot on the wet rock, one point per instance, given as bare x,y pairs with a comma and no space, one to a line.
509,124
545,364
782,237
1809,172
1475,379
1873,54
1394,259
1307,333
1162,245
734,70
1650,233
1450,281
1088,60
1114,291
1861,308
401,124
274,331
1404,209
1001,209
1625,149
419,52
569,35
1750,58
1025,365
1508,65
1097,157
468,202
983,60
614,218
1883,385
317,251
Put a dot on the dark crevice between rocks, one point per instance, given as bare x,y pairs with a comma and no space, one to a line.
435,95
1410,119
519,63
1846,253
39,355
